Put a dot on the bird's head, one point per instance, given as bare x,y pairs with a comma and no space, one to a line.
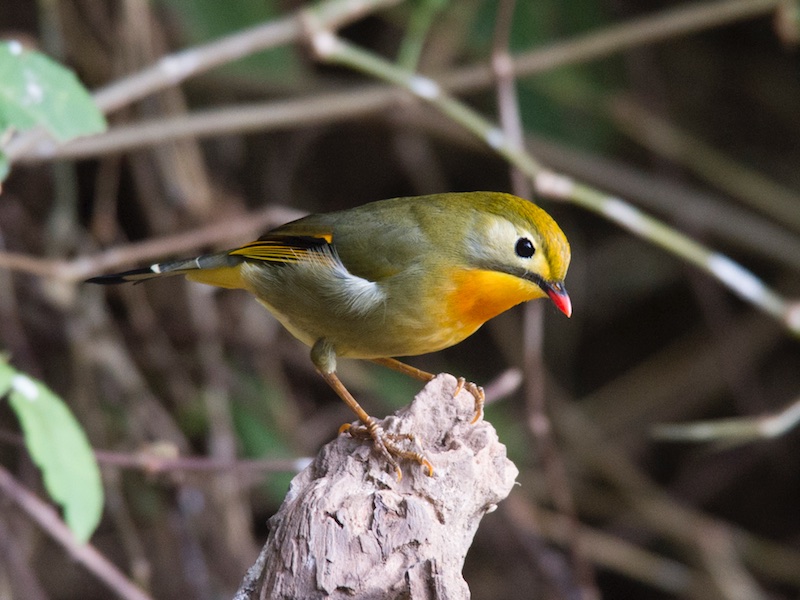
516,237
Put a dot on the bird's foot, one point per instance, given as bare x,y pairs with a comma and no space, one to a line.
477,393
387,444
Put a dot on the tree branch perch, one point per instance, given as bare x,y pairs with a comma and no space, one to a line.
349,529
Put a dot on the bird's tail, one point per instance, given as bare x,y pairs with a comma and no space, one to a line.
220,269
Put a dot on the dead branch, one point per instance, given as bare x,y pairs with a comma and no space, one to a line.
349,529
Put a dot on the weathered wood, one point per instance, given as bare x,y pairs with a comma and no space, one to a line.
349,529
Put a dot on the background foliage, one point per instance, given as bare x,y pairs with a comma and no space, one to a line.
698,129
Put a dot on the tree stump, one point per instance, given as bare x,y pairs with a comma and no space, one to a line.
349,529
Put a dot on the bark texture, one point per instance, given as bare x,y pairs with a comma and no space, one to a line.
349,529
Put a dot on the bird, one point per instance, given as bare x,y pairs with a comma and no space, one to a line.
392,278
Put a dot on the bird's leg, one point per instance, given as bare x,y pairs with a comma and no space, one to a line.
324,359
476,390
383,441
402,367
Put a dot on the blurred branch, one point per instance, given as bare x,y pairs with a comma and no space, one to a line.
361,100
712,215
734,431
682,378
668,24
605,551
87,555
713,165
80,268
657,511
154,464
175,68
537,417
420,23
724,563
506,92
320,108
505,384
162,457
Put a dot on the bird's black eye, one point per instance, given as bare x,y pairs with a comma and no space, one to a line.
524,248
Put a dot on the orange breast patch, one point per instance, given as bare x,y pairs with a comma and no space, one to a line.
481,295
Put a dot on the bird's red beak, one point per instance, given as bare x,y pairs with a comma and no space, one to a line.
559,297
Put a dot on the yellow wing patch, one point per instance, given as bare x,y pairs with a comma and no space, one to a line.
276,249
283,248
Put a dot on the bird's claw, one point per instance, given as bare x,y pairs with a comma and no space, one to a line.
477,393
387,445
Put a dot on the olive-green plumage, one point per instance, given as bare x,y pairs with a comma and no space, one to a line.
399,263
396,277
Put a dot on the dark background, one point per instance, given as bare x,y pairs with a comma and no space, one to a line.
652,339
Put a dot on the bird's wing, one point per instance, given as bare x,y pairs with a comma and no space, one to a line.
281,247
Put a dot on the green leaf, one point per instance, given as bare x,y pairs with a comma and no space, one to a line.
35,90
59,447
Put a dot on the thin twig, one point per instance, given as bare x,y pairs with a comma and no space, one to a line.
162,458
506,92
734,431
283,114
668,24
241,228
662,515
606,551
503,385
419,24
725,173
536,406
154,464
361,100
86,554
175,68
